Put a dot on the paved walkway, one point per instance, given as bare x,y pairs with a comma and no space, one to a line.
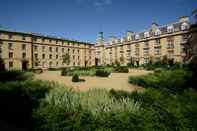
117,81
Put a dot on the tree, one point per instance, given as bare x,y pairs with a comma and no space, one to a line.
66,58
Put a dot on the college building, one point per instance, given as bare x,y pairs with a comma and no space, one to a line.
149,46
19,50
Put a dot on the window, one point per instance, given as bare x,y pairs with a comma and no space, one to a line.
10,36
57,63
170,41
146,60
43,56
157,32
10,54
157,51
170,29
43,39
23,47
36,56
56,56
35,47
50,49
23,37
146,44
23,55
10,46
50,56
50,63
146,52
56,49
157,43
62,50
184,26
34,39
43,48
56,41
49,40
146,34
137,36
10,64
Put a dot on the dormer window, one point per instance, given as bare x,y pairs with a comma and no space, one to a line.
129,38
157,32
170,29
184,26
137,36
146,34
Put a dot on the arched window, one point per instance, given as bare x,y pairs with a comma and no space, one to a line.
137,36
184,26
157,32
146,34
170,29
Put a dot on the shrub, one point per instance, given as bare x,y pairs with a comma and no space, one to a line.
75,78
14,76
102,73
173,80
65,71
18,99
121,69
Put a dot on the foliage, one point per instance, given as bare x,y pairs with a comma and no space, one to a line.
18,99
65,71
173,80
75,78
121,69
14,76
161,110
66,58
102,73
83,71
64,109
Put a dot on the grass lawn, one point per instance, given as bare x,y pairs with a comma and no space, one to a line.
117,81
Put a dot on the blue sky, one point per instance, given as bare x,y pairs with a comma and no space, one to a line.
83,19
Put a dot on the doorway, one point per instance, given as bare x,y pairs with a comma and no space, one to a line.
24,65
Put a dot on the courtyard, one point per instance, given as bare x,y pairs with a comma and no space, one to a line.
116,81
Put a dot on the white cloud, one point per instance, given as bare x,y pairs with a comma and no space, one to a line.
96,3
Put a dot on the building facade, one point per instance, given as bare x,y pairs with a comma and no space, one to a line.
20,50
141,48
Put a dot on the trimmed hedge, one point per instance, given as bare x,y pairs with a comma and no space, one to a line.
75,78
102,73
121,69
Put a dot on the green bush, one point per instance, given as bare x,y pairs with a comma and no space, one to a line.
64,109
75,78
173,80
121,69
65,71
162,110
18,99
102,73
14,76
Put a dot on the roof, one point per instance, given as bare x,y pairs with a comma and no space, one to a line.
43,35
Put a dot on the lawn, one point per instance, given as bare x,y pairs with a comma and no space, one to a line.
118,81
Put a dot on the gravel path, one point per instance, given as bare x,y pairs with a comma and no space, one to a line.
117,81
